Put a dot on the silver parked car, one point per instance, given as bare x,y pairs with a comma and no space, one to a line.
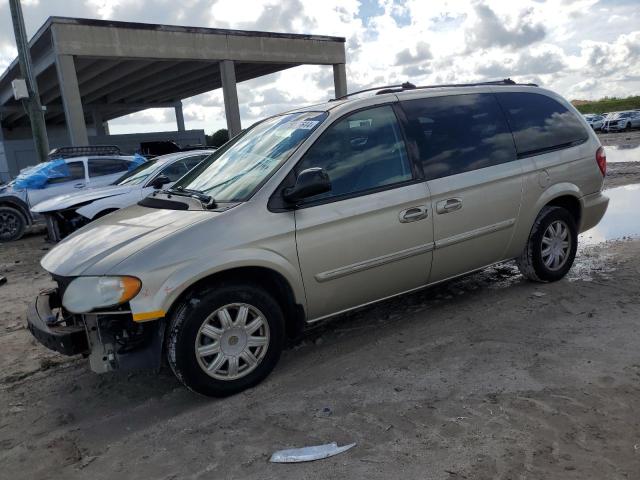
618,121
319,211
66,213
71,169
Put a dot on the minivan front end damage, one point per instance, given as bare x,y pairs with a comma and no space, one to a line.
110,337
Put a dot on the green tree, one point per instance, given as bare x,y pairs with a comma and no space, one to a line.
218,138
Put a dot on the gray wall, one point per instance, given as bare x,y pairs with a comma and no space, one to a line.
16,154
3,164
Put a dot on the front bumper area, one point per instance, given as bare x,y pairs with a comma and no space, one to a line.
613,127
111,340
50,330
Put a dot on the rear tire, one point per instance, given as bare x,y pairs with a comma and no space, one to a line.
12,224
219,354
551,247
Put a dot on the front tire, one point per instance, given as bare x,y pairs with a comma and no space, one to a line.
12,224
225,339
551,248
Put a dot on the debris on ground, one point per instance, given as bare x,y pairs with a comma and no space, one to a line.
325,412
308,454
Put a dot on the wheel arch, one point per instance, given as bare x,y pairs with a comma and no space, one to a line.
267,278
18,204
565,195
570,203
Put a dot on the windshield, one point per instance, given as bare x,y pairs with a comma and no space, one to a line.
137,175
236,170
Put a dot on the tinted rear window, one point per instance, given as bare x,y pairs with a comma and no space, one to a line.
459,133
540,123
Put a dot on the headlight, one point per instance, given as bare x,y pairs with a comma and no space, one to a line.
88,293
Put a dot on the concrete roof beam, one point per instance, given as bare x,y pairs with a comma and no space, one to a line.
171,71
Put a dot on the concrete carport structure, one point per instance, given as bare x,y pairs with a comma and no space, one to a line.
92,71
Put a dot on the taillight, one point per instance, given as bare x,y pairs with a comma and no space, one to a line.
601,160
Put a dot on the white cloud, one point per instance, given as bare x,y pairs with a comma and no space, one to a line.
585,48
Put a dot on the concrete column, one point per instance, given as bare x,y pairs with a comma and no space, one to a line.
179,116
4,164
71,100
340,79
230,95
98,123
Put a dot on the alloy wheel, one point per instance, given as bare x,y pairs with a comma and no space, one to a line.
232,341
556,245
9,225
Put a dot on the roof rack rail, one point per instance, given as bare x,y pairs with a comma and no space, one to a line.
410,86
69,152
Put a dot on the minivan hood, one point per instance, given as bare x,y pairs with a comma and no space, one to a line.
98,247
62,202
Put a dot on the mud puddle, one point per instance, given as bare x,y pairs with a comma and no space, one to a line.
623,153
621,220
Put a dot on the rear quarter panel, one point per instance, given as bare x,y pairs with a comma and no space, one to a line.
571,171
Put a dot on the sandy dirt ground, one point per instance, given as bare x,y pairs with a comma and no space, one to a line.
630,138
488,376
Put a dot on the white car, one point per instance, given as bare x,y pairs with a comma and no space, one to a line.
70,170
595,121
619,121
66,213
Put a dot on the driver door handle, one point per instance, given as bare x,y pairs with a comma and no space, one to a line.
449,205
413,214
79,185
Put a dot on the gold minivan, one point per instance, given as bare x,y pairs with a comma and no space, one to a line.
317,211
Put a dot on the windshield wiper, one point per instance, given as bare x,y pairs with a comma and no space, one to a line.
206,200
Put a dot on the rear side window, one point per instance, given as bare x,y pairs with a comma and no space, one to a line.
540,123
106,166
76,170
360,152
458,133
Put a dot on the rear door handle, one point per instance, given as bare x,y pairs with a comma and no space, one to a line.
79,185
413,214
449,205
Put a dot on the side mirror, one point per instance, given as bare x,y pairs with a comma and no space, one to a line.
310,182
159,182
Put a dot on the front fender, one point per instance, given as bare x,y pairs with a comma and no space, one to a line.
161,288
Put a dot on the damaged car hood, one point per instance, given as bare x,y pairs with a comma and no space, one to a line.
101,245
69,200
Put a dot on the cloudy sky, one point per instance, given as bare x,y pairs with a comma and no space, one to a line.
582,49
